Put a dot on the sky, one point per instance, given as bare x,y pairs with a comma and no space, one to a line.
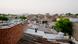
38,6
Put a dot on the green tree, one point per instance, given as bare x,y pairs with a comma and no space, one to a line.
68,14
64,25
76,15
23,17
3,18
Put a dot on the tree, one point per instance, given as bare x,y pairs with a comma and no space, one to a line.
64,25
23,17
3,18
69,14
76,15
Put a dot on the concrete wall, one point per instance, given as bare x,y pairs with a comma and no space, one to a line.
11,35
75,30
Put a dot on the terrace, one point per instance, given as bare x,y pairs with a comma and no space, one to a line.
47,38
11,23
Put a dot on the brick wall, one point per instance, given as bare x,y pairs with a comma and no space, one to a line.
11,35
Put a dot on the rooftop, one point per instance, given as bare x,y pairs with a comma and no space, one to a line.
34,39
11,23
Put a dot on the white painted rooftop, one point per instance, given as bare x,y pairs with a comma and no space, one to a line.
10,24
45,35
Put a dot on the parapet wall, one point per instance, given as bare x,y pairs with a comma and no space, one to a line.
75,31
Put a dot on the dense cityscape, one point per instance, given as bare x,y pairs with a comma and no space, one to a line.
39,28
38,21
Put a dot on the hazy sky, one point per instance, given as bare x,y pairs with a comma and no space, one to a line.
38,6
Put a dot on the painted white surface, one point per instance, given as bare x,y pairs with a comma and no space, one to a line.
48,36
31,31
73,19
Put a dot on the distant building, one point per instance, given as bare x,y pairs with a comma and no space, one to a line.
73,19
40,17
75,27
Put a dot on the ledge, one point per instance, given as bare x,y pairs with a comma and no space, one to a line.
11,25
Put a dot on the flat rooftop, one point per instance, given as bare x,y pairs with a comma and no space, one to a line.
11,23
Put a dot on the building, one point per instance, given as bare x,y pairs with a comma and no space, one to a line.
11,33
41,17
75,27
